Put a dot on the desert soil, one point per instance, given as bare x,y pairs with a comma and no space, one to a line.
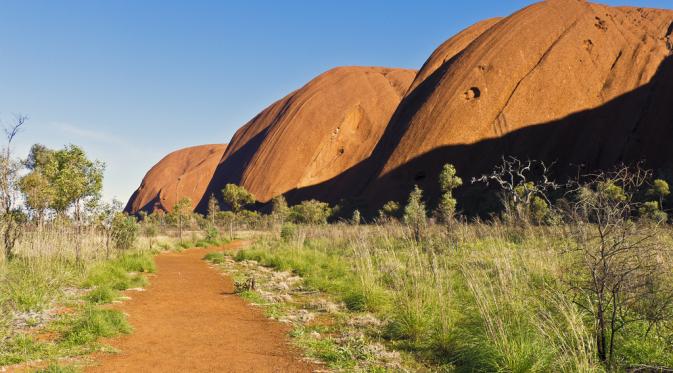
189,320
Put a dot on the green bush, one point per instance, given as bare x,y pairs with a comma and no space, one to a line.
212,234
390,210
124,231
102,294
121,273
95,323
216,258
288,231
310,212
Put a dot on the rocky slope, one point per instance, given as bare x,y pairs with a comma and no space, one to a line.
314,133
183,173
561,80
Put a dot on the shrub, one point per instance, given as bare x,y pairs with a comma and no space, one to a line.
124,231
356,218
310,212
215,258
212,234
414,213
102,294
95,323
279,209
288,231
650,210
390,210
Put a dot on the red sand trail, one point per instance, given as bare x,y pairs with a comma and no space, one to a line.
188,320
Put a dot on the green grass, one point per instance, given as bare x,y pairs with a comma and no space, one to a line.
215,258
78,335
203,243
37,283
91,324
29,284
102,295
272,310
56,368
493,300
22,348
321,269
122,273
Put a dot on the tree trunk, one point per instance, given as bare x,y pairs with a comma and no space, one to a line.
231,229
600,334
78,243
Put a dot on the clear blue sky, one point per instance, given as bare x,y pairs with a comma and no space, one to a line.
131,81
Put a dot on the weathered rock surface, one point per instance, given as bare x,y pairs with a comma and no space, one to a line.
314,133
183,173
562,80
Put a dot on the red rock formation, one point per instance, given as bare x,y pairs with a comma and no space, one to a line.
314,133
562,80
182,173
540,67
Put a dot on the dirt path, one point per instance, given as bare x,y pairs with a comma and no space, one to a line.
188,320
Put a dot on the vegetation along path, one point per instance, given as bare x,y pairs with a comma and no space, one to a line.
188,320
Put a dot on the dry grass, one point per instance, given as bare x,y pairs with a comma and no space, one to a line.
485,297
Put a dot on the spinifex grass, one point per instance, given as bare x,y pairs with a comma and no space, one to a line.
482,298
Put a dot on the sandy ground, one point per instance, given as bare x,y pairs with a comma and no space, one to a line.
188,320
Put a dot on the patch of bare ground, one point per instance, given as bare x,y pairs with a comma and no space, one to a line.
189,320
325,329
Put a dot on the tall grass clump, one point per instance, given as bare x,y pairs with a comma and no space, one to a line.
484,297
46,274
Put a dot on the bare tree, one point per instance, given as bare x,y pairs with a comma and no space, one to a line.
11,218
617,271
524,188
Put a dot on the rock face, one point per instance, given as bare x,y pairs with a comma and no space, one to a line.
562,80
314,133
183,173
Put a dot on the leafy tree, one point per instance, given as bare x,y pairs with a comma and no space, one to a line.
38,157
539,210
227,218
213,209
652,211
181,212
236,197
415,215
448,181
251,219
610,191
310,212
446,209
75,179
38,194
660,191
